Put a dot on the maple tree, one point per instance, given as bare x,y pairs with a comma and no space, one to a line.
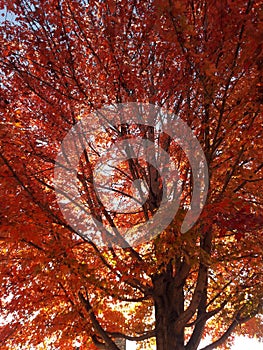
62,60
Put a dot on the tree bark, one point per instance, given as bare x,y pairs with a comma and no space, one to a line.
169,303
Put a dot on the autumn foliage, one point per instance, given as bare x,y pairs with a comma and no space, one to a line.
63,59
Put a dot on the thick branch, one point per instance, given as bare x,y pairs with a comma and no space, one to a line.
144,336
109,344
236,321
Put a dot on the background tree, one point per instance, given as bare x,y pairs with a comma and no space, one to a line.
61,60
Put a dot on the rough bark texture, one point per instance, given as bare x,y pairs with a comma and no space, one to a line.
169,301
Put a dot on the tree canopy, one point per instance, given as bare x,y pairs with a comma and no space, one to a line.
61,62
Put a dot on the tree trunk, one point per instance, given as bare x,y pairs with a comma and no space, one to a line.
169,303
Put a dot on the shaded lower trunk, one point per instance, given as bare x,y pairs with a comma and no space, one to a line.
168,306
167,338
